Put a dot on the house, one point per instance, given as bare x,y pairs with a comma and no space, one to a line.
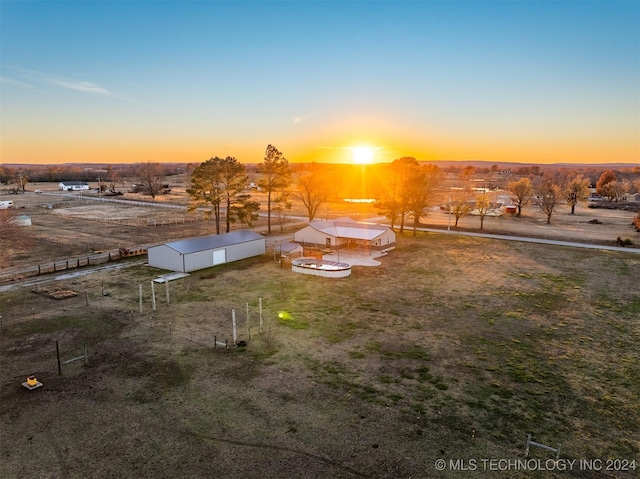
345,233
206,251
73,186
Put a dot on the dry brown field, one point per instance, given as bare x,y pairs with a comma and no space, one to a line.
452,349
77,224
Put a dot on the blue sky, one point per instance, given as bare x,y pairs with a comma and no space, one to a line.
126,81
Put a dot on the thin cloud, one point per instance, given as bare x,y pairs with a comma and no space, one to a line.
10,81
61,82
83,86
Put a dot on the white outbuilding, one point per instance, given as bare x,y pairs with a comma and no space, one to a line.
206,251
73,186
345,233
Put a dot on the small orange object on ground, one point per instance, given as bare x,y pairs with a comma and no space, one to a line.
32,383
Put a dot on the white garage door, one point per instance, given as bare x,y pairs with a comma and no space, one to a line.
219,256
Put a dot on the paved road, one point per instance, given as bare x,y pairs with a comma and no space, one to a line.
64,276
571,244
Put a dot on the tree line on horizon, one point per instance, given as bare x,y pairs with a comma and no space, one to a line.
405,189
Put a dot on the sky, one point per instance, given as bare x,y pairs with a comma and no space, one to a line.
162,81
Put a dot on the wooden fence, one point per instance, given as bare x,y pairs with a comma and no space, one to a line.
71,263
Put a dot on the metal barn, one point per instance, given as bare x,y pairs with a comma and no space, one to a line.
206,251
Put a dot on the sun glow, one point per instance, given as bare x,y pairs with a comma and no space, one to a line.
362,155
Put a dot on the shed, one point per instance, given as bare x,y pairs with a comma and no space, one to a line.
291,249
345,233
206,251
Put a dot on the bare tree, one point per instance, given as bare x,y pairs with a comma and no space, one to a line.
459,205
150,177
399,188
394,199
549,196
576,190
422,192
313,189
521,192
484,206
275,181
615,190
114,179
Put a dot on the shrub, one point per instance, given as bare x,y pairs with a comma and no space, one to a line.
623,242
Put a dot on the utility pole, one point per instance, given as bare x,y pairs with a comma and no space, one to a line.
21,181
449,215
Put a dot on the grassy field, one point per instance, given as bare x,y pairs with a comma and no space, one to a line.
454,348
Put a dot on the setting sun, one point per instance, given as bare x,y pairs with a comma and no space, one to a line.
362,155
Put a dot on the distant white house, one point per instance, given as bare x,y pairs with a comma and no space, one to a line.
345,233
73,186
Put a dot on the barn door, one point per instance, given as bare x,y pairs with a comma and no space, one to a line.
219,256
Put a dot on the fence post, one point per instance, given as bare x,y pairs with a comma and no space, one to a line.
233,323
153,296
58,356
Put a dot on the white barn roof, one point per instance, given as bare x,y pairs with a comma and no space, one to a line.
204,243
347,228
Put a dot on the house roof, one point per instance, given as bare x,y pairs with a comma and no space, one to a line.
203,243
347,228
74,183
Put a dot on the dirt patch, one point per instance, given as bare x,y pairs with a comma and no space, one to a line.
57,293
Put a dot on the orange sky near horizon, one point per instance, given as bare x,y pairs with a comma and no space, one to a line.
385,148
